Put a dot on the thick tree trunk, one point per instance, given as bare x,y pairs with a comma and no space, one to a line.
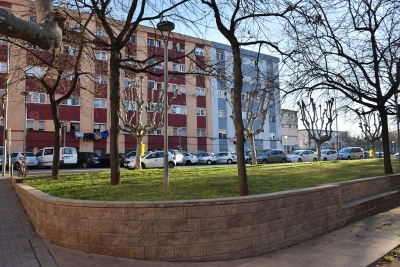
139,142
55,171
238,122
385,141
253,150
115,97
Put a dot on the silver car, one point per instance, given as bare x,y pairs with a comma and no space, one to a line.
329,155
351,153
226,157
206,158
189,158
154,160
18,157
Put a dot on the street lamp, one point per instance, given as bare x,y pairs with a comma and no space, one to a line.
25,94
179,132
167,27
393,147
64,129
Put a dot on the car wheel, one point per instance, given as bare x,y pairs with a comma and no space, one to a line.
265,161
229,161
188,162
143,166
171,164
314,159
16,165
84,165
209,162
324,159
361,157
348,158
299,160
283,161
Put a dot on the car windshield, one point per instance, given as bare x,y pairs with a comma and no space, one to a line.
93,155
296,152
324,152
345,150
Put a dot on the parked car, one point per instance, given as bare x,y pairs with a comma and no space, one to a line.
272,156
247,156
18,157
190,158
105,159
206,158
68,157
129,157
178,155
258,153
396,155
302,156
88,159
226,157
329,155
154,160
351,153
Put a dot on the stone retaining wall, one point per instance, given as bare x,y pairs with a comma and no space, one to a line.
205,230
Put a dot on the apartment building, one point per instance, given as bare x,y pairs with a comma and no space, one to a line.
253,65
290,139
193,124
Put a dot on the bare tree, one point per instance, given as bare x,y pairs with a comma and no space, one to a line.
351,47
134,105
318,121
46,33
370,126
242,23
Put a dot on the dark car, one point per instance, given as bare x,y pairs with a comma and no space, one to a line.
105,159
275,155
88,159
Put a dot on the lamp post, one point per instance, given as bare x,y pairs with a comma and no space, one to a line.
64,129
393,147
167,27
179,132
25,94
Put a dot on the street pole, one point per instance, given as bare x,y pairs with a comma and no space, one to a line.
5,115
25,94
64,129
167,27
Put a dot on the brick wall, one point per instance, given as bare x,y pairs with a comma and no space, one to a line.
205,230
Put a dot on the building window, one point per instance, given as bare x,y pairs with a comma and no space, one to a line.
29,124
100,55
174,67
35,71
69,50
222,133
150,42
150,84
132,39
72,26
201,111
158,86
74,101
100,103
153,107
222,113
271,118
130,60
201,132
182,68
174,46
132,105
99,127
128,82
199,71
179,109
179,131
101,32
158,43
199,51
3,67
100,79
200,91
272,136
40,125
67,76
221,94
220,55
156,132
182,89
74,126
182,47
39,98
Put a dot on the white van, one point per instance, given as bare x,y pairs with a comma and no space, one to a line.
68,157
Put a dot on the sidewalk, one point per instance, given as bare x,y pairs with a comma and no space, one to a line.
356,245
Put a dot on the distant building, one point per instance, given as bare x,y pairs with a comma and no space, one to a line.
336,142
290,140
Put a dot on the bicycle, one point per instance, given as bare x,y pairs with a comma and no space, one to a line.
23,169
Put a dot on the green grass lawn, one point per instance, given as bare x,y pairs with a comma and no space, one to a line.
201,183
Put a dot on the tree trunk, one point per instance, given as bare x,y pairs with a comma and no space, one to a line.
55,171
385,141
318,150
253,150
139,142
115,97
238,122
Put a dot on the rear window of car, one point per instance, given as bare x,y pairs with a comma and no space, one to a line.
29,154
